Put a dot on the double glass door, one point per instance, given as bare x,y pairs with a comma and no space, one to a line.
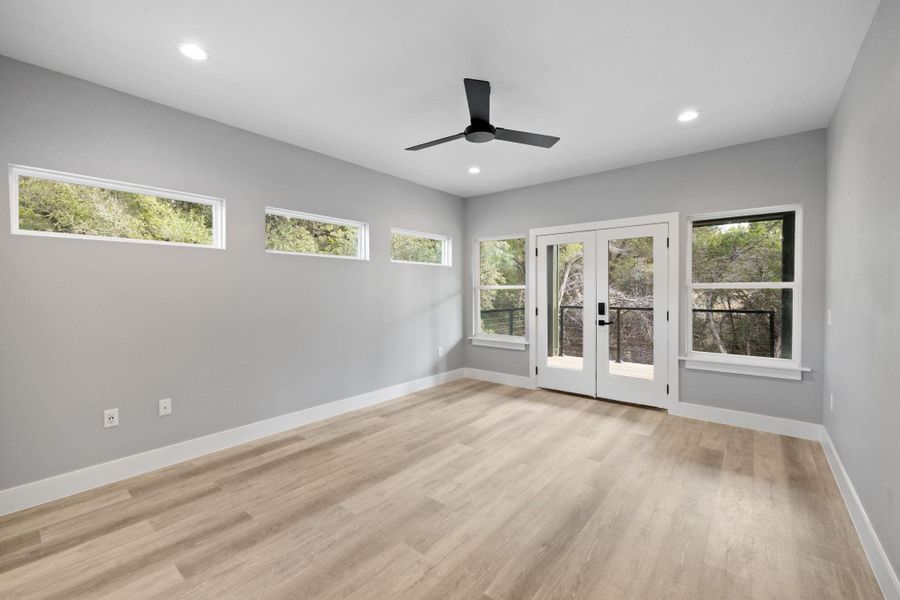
602,314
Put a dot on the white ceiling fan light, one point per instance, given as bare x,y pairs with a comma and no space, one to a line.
193,51
688,115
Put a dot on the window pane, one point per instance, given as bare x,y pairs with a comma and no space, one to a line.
747,322
758,248
60,207
414,248
503,312
503,262
630,309
565,317
295,234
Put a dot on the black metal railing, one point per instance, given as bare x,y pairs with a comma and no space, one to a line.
770,316
511,321
617,310
504,321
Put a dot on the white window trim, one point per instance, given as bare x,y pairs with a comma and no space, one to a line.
759,366
362,247
15,171
446,248
506,342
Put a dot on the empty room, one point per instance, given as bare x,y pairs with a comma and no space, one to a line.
476,300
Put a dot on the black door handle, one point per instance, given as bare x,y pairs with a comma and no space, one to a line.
601,323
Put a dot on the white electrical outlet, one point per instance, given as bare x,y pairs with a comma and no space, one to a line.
831,402
111,417
165,407
440,351
829,316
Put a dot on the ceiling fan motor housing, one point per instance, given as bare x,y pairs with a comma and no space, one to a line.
479,132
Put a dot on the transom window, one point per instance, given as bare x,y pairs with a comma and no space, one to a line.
291,232
51,203
500,289
744,284
417,247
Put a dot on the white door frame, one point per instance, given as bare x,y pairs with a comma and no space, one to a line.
672,219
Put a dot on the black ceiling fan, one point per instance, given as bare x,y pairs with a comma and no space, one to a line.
478,93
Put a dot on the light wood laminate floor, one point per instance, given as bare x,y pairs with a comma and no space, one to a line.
469,490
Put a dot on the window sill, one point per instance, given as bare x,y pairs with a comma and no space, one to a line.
419,262
510,343
788,370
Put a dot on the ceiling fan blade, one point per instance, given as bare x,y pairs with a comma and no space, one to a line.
449,138
478,93
523,137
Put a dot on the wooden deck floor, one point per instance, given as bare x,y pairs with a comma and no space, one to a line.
624,369
469,490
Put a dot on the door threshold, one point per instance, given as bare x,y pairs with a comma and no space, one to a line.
608,400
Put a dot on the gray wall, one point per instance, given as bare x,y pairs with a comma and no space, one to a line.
862,347
787,170
235,335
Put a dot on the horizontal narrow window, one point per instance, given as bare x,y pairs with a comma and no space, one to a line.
416,247
293,232
50,203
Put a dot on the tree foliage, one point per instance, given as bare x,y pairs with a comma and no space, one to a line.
413,248
56,206
291,234
503,262
733,252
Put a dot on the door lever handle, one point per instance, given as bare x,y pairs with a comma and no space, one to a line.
601,323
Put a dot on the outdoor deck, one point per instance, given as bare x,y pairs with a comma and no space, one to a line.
622,369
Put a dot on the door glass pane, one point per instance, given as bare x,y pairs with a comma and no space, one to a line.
750,322
631,307
565,299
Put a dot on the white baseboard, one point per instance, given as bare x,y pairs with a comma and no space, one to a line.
799,429
495,377
59,486
881,565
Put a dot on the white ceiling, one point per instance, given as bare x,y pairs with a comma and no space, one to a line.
361,80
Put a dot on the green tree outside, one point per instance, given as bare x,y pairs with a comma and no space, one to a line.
413,248
291,234
56,206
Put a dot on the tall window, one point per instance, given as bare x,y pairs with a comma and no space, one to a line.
744,286
500,289
49,203
291,232
416,247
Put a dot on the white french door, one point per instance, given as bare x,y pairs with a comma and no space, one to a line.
632,296
567,291
602,313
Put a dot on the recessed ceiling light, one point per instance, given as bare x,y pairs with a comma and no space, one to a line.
474,170
193,51
688,115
